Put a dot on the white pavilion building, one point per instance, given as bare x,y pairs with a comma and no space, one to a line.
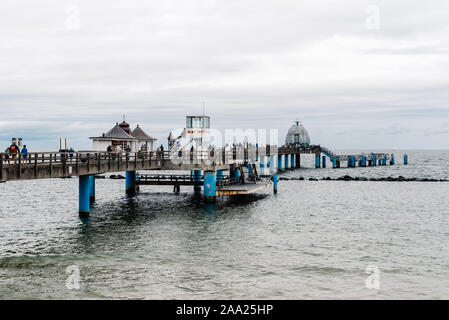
121,135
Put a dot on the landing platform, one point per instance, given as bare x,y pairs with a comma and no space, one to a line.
238,189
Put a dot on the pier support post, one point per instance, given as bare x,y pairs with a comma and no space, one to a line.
324,161
363,161
237,175
286,163
281,162
292,161
317,161
298,160
220,173
334,163
275,183
392,160
405,159
374,161
83,196
197,178
210,186
130,183
92,188
262,165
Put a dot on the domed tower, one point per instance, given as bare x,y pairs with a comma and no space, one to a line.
125,126
297,135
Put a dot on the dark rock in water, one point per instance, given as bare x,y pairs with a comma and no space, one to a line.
391,179
356,178
401,178
348,178
313,179
284,179
363,179
120,176
301,178
372,179
112,176
100,177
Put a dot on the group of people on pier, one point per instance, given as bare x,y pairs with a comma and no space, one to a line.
13,151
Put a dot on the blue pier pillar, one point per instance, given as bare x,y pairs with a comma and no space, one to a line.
324,161
196,178
374,161
292,161
83,196
262,165
363,163
392,160
220,173
210,186
287,163
405,159
334,163
130,183
237,175
91,188
275,183
280,162
317,161
384,161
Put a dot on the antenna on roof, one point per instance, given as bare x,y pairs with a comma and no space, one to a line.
124,118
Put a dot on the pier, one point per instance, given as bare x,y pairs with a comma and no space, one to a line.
244,166
237,169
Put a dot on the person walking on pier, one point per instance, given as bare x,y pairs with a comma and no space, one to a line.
25,154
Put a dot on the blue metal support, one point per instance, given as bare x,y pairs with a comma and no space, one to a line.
197,178
363,161
405,159
130,183
392,160
280,162
237,175
292,160
385,161
83,196
334,163
275,183
210,186
286,162
324,161
91,188
220,173
317,161
374,161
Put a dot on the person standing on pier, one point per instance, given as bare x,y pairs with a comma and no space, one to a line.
25,154
7,155
14,150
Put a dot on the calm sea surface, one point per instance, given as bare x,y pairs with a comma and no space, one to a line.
313,240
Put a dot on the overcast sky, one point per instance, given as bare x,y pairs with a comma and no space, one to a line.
359,74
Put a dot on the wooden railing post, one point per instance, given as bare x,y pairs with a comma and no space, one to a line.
1,167
77,163
35,165
51,165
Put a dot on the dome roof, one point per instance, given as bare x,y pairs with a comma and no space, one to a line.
125,126
297,134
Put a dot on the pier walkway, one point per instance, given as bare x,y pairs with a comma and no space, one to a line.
245,164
